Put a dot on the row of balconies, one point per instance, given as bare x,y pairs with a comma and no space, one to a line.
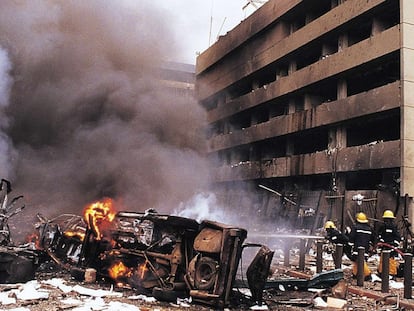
259,63
276,100
292,14
314,78
376,101
381,155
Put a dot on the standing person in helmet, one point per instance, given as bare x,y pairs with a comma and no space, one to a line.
335,236
389,238
361,236
388,232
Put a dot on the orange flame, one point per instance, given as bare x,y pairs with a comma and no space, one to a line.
143,269
34,238
118,270
98,212
80,235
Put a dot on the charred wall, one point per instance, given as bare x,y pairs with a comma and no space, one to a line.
305,98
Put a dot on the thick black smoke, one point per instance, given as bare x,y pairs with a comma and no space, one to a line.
82,116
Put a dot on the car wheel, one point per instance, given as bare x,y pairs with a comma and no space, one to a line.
167,295
205,273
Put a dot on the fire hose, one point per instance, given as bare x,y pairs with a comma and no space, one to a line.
387,245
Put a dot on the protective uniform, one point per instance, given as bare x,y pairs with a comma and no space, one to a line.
389,238
361,235
388,232
335,236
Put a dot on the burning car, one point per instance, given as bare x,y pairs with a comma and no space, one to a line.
164,255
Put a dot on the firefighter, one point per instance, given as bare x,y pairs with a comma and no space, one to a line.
389,238
335,236
361,235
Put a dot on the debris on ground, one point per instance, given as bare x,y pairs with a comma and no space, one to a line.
147,261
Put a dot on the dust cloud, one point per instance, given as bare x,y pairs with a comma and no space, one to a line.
83,115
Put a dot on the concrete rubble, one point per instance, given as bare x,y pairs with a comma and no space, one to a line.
66,274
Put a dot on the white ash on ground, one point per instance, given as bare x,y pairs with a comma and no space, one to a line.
58,291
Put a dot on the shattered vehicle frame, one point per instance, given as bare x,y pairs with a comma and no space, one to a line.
163,255
17,263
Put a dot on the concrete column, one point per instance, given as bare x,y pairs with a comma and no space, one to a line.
343,42
235,157
255,85
221,101
377,26
335,3
289,143
337,138
327,50
278,74
309,17
253,153
293,27
341,137
254,119
292,67
407,99
226,127
342,89
292,106
311,101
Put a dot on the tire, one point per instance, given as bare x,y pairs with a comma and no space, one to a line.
167,295
205,273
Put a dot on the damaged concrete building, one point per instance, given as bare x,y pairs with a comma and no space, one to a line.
178,77
309,106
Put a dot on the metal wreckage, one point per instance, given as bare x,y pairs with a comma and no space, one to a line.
17,263
162,255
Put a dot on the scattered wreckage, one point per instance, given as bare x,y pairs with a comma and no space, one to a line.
17,263
163,255
166,256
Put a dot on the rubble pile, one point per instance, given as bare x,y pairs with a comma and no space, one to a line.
64,293
106,260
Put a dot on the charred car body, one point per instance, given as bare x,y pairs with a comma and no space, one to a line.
164,255
17,263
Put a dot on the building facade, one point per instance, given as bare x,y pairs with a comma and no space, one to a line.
178,77
310,107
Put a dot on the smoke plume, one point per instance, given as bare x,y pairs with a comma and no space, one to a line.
82,114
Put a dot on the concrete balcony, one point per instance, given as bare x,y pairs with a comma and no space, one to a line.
374,101
366,157
251,60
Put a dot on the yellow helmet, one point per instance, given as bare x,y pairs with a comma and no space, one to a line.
388,214
330,224
361,217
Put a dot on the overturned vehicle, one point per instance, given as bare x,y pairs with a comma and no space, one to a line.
163,255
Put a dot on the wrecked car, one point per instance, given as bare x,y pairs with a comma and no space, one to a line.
17,263
163,255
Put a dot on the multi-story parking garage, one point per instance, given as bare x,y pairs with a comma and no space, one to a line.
310,105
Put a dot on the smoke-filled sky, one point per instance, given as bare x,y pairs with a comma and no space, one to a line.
82,116
198,23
